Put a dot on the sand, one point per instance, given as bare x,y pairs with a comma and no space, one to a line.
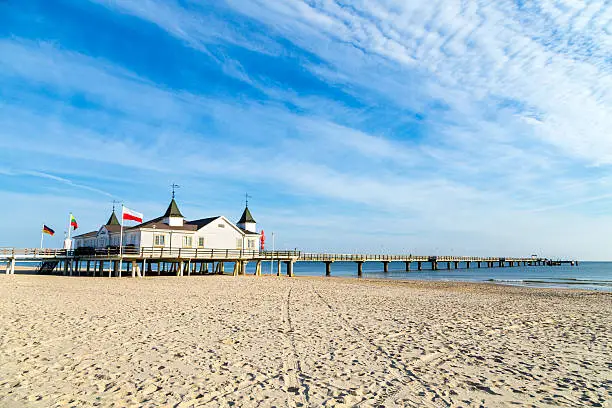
247,341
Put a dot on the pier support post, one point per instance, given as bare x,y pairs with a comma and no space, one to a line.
359,269
258,268
10,266
189,267
289,266
448,265
145,265
328,265
434,265
386,266
278,268
420,266
236,268
88,270
456,264
179,268
467,264
479,264
407,266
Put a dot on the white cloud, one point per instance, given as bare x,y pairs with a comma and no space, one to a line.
479,170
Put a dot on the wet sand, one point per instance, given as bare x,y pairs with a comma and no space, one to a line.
246,341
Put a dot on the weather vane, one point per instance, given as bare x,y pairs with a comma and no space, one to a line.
115,202
174,187
246,198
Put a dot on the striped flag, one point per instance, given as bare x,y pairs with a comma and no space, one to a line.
131,215
73,222
47,230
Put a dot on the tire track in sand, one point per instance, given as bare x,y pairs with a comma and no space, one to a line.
292,368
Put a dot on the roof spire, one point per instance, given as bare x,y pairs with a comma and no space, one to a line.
174,187
115,202
112,220
246,199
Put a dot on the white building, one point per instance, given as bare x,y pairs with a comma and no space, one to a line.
171,230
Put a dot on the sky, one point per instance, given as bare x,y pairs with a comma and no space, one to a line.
428,127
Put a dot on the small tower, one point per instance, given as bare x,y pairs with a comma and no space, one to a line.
173,216
247,222
113,219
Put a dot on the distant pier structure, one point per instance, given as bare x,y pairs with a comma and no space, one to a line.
188,261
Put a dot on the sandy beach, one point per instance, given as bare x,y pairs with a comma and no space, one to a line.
246,341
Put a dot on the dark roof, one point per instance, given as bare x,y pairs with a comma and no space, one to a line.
173,210
158,223
112,220
113,228
86,235
203,222
248,232
246,217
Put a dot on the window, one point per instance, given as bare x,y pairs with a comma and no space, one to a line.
251,243
239,243
201,242
221,225
187,242
159,240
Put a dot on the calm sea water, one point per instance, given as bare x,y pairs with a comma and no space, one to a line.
587,275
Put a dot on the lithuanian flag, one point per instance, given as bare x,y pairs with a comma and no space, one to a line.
47,230
73,222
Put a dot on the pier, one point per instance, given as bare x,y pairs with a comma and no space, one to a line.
187,261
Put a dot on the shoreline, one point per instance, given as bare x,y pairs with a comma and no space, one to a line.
566,284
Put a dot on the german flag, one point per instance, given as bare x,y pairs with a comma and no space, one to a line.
47,230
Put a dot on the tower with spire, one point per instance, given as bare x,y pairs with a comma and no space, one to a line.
247,222
173,216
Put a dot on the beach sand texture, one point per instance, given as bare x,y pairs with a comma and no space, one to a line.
247,341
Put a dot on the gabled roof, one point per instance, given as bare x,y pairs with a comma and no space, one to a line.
112,228
173,210
112,225
113,220
86,235
203,222
158,223
248,232
246,217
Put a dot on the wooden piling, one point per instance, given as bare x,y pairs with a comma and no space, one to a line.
359,269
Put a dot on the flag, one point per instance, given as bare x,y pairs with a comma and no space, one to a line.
47,230
131,215
262,241
73,222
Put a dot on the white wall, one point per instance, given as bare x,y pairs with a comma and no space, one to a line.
220,234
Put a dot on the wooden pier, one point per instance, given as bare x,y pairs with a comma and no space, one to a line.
187,261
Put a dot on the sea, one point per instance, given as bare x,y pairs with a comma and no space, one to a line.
585,275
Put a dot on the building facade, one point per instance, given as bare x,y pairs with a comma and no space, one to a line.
171,230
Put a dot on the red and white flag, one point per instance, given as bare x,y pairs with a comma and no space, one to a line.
131,215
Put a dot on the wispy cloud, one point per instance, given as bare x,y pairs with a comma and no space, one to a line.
444,117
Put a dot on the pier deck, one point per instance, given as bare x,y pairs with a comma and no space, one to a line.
140,261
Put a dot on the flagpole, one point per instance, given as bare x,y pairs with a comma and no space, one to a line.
69,226
42,235
121,243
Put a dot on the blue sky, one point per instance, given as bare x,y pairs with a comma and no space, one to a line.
447,127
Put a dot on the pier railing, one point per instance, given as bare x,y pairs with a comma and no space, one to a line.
235,254
147,252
